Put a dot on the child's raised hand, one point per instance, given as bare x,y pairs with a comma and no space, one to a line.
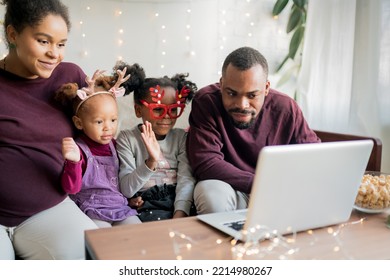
70,150
151,145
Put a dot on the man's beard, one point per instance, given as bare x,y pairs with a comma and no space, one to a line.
242,125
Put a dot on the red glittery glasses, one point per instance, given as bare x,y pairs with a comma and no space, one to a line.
158,110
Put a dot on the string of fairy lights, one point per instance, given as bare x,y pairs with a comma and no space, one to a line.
266,243
158,22
236,22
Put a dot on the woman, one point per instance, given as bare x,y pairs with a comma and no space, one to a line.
37,219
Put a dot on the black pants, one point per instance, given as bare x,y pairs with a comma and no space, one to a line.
158,203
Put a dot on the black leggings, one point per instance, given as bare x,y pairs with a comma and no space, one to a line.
158,203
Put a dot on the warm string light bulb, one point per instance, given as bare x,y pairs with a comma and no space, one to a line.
163,40
120,41
222,32
85,52
251,24
191,52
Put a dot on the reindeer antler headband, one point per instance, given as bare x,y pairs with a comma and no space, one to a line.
157,94
115,91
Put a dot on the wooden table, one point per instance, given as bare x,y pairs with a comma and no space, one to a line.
364,236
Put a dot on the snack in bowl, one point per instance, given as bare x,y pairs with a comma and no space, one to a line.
374,192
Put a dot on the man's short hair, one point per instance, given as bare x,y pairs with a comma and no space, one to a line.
245,58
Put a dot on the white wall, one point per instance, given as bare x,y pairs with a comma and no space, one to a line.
197,37
195,42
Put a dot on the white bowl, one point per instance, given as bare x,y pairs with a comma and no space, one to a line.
374,193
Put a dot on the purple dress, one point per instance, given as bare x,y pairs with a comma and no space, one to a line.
100,197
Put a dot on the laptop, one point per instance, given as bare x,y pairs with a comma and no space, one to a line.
299,187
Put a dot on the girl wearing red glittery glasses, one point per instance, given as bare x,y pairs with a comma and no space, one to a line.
154,169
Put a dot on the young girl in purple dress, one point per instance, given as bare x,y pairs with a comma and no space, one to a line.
91,163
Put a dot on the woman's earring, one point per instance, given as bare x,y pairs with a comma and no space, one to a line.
12,45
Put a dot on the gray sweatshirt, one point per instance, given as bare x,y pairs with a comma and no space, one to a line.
173,167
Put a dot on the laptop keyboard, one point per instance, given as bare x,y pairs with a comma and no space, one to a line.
237,225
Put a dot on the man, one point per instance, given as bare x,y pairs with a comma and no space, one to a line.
230,122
